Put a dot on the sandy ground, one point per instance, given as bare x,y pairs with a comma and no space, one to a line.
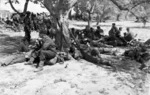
73,77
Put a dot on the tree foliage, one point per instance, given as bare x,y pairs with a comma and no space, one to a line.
105,9
137,8
132,6
11,2
59,7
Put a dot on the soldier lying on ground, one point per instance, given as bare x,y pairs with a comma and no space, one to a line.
92,54
138,53
102,48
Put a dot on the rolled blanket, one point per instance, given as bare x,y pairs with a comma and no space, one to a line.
13,59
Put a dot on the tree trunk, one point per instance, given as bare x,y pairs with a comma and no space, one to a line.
89,19
26,6
118,17
126,16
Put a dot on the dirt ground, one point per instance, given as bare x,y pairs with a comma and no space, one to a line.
73,77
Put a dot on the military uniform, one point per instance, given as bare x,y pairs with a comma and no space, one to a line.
45,53
112,33
92,54
98,33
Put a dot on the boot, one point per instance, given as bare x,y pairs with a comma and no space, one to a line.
40,68
30,62
53,61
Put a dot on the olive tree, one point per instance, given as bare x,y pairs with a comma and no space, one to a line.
59,10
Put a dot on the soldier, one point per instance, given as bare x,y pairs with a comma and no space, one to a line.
99,32
47,52
112,39
138,53
91,34
113,31
120,40
118,33
129,35
92,54
86,31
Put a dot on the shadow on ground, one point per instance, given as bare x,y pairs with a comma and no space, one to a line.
9,44
138,27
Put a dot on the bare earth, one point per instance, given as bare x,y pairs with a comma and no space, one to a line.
73,77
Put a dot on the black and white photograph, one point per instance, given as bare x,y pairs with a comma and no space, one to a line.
74,47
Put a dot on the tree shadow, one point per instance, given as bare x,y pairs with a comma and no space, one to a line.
9,44
117,65
83,25
139,27
3,35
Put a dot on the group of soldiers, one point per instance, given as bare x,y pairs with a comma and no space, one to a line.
88,44
29,21
114,38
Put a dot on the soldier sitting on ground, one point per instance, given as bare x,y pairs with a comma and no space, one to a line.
129,36
98,33
86,31
112,39
47,52
120,40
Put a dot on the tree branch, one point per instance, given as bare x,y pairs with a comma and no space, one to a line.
139,3
119,6
123,8
10,2
26,6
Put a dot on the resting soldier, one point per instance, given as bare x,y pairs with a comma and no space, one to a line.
120,40
129,36
112,39
113,31
46,53
92,54
138,53
98,33
86,31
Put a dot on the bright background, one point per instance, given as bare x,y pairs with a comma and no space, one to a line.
36,8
